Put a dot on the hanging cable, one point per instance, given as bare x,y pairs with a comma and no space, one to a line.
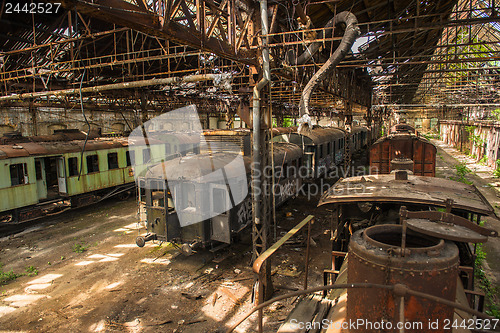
88,124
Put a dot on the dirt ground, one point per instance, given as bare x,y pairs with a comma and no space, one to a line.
114,286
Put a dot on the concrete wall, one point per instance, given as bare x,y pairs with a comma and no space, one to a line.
476,138
43,121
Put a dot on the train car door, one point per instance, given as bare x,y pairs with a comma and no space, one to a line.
220,204
41,182
61,176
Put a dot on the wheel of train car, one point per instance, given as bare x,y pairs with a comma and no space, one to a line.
124,195
186,250
140,241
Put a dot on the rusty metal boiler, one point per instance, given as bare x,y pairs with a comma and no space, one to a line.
429,265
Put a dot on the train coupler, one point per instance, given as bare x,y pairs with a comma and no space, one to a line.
141,240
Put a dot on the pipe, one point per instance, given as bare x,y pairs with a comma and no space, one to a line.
315,46
256,121
218,78
351,33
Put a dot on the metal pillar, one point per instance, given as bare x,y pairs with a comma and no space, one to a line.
260,159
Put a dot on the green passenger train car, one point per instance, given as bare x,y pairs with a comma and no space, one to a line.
38,176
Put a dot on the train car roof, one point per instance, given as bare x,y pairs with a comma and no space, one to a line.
284,152
416,190
356,129
402,136
321,135
284,130
26,149
229,132
199,165
318,135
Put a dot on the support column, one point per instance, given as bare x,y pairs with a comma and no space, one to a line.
260,159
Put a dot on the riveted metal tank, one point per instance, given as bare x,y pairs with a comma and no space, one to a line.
429,265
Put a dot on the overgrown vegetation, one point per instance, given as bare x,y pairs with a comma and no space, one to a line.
80,248
432,135
495,114
287,122
485,284
462,171
5,277
476,140
496,173
8,276
483,160
31,271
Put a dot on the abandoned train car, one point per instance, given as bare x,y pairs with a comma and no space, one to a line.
403,150
214,203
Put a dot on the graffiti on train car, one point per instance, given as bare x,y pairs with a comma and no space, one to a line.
244,213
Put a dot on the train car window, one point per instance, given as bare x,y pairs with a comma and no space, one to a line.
329,148
146,156
188,196
127,157
92,163
320,148
73,166
168,150
38,170
18,174
219,200
112,161
158,198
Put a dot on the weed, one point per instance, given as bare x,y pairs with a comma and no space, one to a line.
496,173
7,276
462,171
485,284
31,271
483,160
476,140
63,257
80,248
432,135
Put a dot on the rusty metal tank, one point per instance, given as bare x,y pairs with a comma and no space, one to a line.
430,265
